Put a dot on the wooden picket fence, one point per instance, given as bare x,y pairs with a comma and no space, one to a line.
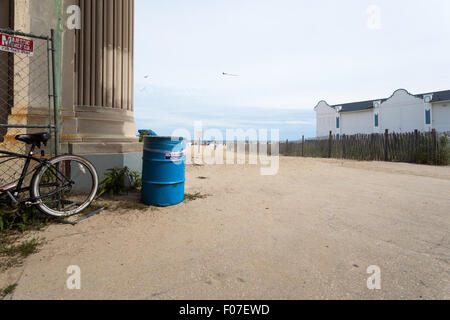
414,147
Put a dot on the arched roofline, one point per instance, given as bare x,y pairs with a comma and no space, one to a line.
320,102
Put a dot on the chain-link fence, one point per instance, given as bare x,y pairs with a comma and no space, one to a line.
27,103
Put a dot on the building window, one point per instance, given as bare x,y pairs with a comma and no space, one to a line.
338,120
377,120
428,117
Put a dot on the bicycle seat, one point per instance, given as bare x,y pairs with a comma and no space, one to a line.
34,139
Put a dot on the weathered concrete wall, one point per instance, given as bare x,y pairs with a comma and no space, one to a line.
96,85
28,97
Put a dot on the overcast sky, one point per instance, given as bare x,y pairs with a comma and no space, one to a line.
288,55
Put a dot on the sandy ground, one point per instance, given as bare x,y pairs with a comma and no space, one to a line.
309,232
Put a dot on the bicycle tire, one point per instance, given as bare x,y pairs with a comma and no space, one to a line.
35,186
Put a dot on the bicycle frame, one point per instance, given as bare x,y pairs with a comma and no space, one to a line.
14,192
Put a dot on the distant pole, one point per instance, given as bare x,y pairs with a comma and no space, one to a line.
303,146
330,142
435,146
343,141
416,145
386,141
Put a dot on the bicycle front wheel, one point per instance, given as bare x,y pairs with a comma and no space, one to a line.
66,186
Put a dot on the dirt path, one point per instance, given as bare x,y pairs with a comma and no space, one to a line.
310,232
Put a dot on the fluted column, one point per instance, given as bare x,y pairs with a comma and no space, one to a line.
105,54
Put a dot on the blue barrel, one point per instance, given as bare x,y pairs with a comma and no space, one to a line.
163,174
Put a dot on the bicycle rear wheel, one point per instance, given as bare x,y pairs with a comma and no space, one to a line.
65,187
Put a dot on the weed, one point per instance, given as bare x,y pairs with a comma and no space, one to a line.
22,250
9,263
13,255
28,248
135,180
130,205
119,180
145,133
23,219
194,196
7,291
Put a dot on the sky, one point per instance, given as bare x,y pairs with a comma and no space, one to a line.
287,55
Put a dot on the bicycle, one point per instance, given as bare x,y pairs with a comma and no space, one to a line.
61,187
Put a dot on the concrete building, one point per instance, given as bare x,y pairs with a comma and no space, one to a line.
94,73
402,112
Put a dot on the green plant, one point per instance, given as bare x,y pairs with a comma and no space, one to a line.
114,181
7,291
135,180
25,249
119,180
131,205
144,133
12,255
22,219
194,196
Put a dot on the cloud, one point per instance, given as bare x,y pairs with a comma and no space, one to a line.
288,54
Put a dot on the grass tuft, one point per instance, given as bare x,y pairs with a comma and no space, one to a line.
194,196
13,255
132,205
7,291
22,219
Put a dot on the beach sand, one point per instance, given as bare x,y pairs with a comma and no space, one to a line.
309,232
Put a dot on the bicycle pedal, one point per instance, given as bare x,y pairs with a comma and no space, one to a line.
30,204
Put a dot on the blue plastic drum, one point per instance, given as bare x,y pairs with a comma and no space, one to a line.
163,174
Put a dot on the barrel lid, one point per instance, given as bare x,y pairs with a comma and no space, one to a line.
158,138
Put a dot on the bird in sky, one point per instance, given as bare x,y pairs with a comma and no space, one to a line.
229,74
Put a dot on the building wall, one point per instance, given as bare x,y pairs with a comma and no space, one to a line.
402,112
441,117
357,122
95,73
6,22
26,97
326,119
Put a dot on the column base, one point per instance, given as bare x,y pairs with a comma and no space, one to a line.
103,162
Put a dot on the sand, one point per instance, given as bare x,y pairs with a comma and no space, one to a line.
309,232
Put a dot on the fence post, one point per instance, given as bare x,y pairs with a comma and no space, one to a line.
303,146
343,140
330,142
386,141
416,145
435,146
55,93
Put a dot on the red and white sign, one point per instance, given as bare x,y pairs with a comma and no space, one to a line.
13,44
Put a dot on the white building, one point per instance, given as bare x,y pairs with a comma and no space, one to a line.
400,113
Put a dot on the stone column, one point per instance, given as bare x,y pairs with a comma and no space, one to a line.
103,99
